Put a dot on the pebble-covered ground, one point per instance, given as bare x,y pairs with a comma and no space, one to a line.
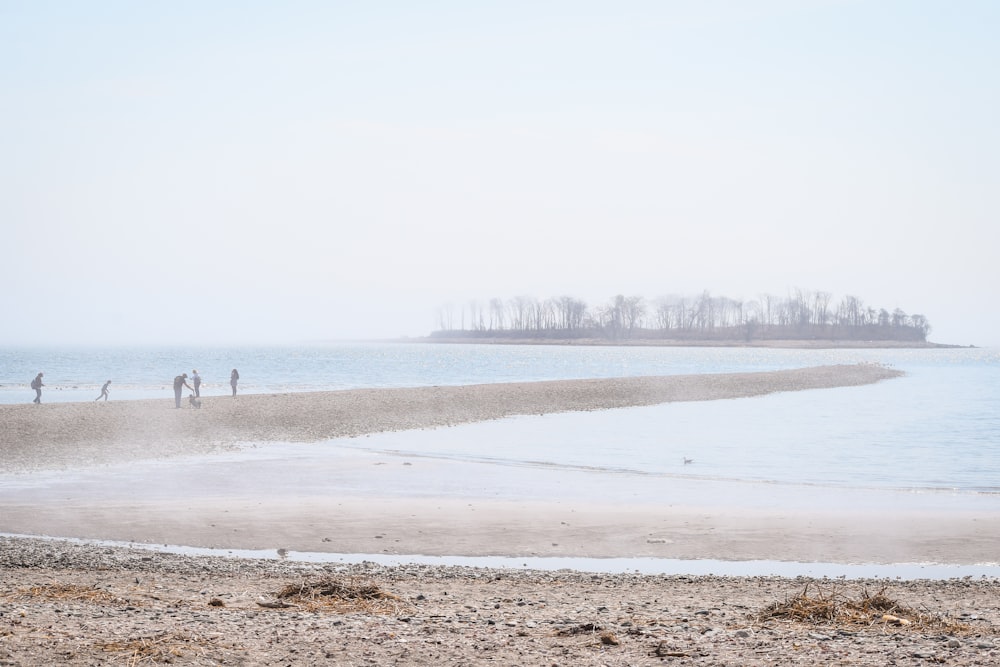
65,603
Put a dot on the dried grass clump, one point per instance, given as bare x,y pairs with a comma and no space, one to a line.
342,596
164,647
831,607
67,593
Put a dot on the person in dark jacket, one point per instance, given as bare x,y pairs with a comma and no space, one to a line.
234,377
179,383
37,385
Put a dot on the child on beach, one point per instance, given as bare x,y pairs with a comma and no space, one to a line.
104,391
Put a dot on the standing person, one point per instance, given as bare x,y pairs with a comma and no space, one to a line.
37,385
179,383
234,377
104,391
196,380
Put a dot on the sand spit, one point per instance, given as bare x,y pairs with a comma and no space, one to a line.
53,436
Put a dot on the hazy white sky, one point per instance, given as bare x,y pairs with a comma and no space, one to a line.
267,172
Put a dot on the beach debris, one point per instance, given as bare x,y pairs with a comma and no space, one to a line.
216,602
273,604
342,595
583,628
69,592
832,607
163,647
896,620
609,639
664,650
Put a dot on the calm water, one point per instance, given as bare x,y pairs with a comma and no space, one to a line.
934,432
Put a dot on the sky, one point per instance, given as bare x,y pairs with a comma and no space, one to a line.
257,172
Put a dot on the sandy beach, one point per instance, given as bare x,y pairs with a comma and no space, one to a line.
88,603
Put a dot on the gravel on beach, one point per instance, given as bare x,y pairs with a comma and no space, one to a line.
89,604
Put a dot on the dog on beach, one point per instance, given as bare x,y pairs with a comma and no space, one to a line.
195,402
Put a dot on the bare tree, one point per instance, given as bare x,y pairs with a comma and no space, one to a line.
633,312
496,315
821,308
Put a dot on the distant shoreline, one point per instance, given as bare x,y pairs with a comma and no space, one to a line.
811,344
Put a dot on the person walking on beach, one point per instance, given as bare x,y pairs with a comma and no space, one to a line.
179,383
196,380
37,385
104,391
234,377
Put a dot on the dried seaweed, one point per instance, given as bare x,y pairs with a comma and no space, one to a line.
67,592
831,607
340,595
164,647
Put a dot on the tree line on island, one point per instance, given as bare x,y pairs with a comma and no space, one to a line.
802,315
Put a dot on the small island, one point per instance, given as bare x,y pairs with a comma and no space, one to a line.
802,319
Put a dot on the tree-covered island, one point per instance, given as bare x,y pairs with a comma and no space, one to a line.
703,319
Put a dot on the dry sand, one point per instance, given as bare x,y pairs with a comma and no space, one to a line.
64,603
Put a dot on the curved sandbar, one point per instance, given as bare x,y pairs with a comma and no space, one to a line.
63,435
